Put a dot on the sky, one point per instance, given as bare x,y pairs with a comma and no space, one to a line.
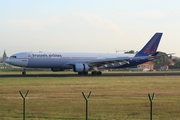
88,25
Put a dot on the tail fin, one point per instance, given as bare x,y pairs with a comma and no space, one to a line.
151,47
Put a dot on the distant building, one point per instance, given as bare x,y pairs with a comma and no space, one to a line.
147,66
150,66
3,63
164,66
4,57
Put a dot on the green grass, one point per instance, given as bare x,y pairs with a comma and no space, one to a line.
112,98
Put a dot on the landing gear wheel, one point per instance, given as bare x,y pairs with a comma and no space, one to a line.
23,72
99,73
96,73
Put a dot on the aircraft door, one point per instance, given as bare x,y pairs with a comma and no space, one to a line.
24,60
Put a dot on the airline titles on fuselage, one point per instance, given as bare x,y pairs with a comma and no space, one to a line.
45,55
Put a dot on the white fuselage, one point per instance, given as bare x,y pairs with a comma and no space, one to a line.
58,60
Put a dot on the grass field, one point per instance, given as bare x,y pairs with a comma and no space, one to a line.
112,98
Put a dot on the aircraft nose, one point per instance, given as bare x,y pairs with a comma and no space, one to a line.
8,60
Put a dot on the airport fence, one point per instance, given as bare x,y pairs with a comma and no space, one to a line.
151,98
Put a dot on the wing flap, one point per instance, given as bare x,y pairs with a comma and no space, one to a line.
112,61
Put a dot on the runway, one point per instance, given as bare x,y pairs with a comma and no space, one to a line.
106,74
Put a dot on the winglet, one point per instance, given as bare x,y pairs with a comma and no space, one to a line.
151,47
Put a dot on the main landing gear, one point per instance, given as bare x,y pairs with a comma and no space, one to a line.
92,73
23,71
96,73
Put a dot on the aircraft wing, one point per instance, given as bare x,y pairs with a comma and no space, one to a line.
102,62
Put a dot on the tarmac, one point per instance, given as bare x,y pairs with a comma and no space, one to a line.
105,74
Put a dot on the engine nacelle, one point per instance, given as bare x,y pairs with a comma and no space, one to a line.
57,69
80,67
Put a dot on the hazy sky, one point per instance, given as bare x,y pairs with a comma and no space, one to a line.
88,25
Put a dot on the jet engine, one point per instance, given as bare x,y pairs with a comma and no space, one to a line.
80,67
57,69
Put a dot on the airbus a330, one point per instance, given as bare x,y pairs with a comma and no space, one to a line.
84,62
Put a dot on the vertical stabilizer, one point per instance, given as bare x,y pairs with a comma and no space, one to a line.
151,47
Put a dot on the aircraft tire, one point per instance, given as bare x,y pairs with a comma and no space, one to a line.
93,72
96,73
99,73
23,72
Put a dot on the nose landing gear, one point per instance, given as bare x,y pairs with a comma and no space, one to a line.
23,71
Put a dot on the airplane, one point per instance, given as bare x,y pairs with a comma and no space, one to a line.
84,62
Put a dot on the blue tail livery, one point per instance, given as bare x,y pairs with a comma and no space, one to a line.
151,47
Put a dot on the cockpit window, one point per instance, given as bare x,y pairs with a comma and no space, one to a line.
13,57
